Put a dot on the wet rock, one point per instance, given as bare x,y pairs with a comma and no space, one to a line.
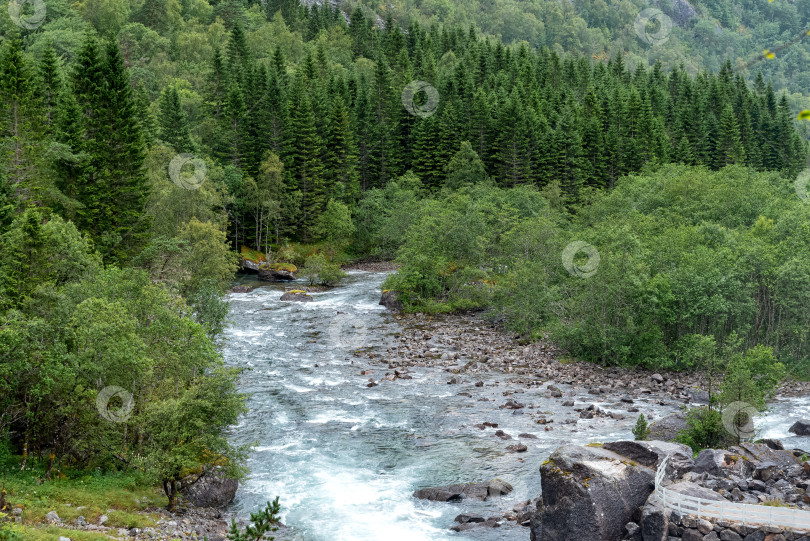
479,383
296,295
503,435
464,518
800,428
589,493
389,300
458,492
517,448
512,405
211,489
241,289
554,391
527,436
568,403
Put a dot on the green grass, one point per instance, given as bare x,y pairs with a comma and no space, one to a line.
124,497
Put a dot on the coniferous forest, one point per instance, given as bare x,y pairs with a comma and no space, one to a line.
149,148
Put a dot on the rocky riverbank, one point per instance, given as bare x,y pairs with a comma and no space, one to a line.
465,346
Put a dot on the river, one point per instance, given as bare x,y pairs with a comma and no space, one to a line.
345,458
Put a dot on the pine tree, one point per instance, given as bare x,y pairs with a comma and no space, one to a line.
121,162
18,119
173,124
303,151
49,86
729,147
340,163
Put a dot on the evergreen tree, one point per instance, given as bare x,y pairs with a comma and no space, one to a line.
729,147
303,151
173,124
18,122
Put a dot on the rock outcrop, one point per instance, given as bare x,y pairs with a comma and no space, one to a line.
589,493
212,489
458,492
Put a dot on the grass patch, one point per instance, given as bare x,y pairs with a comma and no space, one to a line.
252,255
123,497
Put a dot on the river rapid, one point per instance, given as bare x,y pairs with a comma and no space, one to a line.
345,458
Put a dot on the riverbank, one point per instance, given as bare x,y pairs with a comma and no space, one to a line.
466,346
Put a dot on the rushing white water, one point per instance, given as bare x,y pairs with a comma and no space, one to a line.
345,458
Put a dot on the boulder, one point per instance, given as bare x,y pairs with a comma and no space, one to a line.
711,461
760,453
53,518
211,489
589,493
668,427
458,492
389,300
554,391
277,272
241,289
800,428
655,523
296,295
688,488
652,453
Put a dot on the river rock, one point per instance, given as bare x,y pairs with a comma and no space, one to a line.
296,295
554,391
589,493
389,300
667,428
652,453
277,272
212,489
800,428
458,492
241,289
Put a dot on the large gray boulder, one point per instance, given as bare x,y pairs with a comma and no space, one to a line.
666,428
458,492
211,489
711,461
652,453
589,493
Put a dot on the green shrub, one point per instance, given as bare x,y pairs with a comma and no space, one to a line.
641,431
704,430
319,270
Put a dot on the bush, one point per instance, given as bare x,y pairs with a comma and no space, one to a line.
319,270
641,431
704,430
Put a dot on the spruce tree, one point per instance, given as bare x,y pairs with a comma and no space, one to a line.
173,124
303,151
